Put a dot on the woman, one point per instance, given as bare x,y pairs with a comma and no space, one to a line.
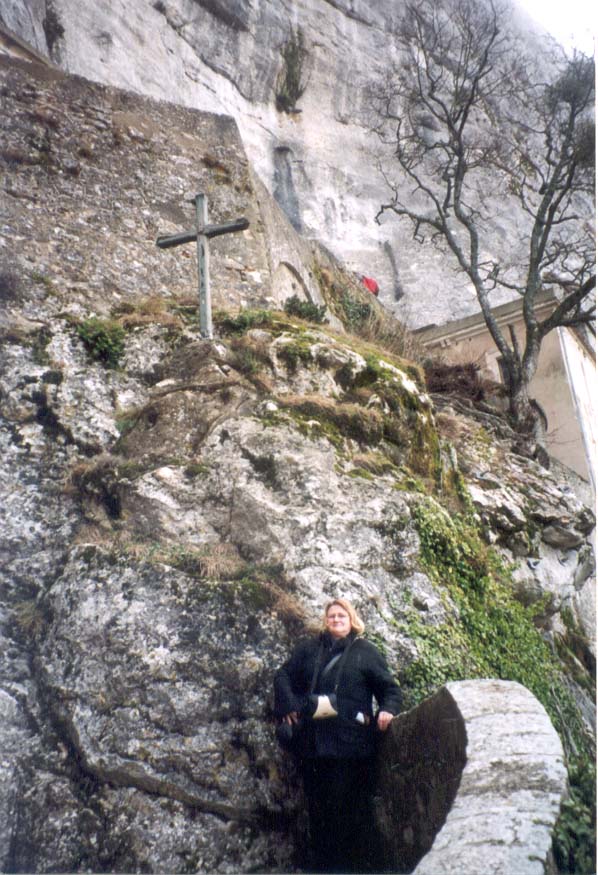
328,683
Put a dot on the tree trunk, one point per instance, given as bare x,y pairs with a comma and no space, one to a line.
529,421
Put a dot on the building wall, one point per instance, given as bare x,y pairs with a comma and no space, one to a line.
550,387
582,376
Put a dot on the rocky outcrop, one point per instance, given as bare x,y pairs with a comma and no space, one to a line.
512,507
228,57
175,511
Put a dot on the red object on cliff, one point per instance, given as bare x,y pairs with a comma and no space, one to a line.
370,284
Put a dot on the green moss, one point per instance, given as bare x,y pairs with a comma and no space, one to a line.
314,427
251,592
195,469
424,449
125,422
495,636
376,463
408,482
454,482
295,352
360,473
103,340
483,443
132,469
294,306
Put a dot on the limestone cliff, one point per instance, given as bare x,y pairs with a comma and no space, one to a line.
227,56
175,512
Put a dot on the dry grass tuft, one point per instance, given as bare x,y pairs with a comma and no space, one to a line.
351,420
29,618
464,379
374,463
220,562
150,311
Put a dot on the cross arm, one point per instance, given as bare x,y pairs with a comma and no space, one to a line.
168,241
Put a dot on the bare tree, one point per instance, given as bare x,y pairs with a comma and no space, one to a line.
473,125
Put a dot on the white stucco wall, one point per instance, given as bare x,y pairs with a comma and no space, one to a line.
581,369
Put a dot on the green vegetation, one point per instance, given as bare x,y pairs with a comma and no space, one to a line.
499,633
374,463
103,340
351,420
495,636
360,473
42,279
295,352
574,842
291,84
125,422
305,310
243,321
196,469
356,312
363,317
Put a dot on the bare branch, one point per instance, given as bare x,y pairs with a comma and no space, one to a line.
469,118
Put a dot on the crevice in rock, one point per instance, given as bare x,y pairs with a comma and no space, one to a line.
284,192
53,27
350,13
264,466
235,18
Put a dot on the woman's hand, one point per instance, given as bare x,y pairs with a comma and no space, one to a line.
291,718
384,718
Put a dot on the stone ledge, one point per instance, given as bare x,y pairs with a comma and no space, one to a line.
503,817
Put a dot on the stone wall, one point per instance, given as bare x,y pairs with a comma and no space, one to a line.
93,175
471,781
421,760
511,788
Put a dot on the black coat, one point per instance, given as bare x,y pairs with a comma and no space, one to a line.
363,675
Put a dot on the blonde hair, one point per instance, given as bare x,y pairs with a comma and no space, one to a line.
357,624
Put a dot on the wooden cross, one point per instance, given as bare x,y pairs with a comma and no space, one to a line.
202,233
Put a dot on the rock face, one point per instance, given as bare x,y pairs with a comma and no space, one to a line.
175,512
227,57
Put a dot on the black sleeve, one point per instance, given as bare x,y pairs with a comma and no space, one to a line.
291,681
385,688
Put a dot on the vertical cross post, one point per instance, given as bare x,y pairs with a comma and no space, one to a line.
203,266
201,234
